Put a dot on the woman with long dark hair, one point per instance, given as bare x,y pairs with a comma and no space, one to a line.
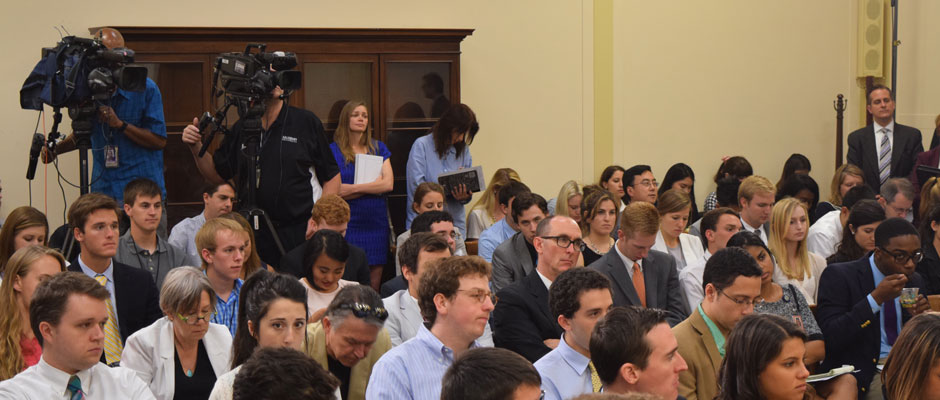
680,177
858,236
737,167
25,226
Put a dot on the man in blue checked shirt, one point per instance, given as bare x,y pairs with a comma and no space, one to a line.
127,138
222,243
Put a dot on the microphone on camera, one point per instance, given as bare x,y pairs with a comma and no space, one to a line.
34,150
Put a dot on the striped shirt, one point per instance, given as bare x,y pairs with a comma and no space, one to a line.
226,311
412,370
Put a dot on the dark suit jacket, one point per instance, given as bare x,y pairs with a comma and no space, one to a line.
863,152
522,320
393,285
357,265
852,331
511,262
660,276
929,158
138,301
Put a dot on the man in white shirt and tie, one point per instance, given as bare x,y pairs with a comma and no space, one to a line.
883,149
719,225
756,198
68,314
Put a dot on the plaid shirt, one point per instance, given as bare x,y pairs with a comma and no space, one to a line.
143,110
226,312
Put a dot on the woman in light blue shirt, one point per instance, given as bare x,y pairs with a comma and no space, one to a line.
446,149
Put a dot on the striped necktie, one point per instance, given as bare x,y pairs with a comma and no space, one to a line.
595,378
75,388
884,158
112,337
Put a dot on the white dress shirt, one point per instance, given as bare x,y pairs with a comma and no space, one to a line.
809,284
759,231
628,263
825,235
44,382
690,280
879,136
150,352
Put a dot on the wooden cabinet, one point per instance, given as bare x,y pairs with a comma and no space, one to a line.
406,76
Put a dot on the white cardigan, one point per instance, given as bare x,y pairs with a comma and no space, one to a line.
150,353
691,247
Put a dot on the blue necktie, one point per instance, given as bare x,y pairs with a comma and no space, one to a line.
891,322
75,388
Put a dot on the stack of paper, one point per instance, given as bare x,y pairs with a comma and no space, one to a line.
368,168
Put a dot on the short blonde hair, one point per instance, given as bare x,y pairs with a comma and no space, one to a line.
753,185
835,194
331,209
639,216
205,238
568,190
182,291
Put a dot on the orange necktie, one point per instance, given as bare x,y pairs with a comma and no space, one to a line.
638,283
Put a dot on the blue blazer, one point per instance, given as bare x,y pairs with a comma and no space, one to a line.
852,332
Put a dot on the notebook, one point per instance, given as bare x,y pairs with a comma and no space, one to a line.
368,168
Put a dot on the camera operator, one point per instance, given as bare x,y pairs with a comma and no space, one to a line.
127,138
294,158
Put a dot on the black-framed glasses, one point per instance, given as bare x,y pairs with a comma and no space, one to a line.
901,256
480,295
364,310
564,242
745,302
194,319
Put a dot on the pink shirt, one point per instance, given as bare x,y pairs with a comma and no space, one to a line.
31,350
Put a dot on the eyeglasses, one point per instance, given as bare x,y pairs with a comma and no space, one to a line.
901,256
649,183
194,319
480,295
746,302
364,310
565,242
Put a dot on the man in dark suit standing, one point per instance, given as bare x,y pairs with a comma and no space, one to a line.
641,276
884,149
859,309
522,320
134,301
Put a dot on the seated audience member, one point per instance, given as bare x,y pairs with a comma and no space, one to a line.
639,184
455,302
140,246
486,211
330,212
325,258
515,258
503,229
727,197
897,198
859,306
634,350
796,164
134,302
641,276
720,224
429,196
756,199
571,204
25,226
218,199
846,177
735,167
222,243
611,180
67,314
804,189
272,312
787,301
680,177
731,283
764,360
858,236
417,254
795,265
350,340
674,207
578,299
599,211
522,319
826,233
618,396
182,354
929,197
439,223
253,261
278,373
491,374
19,346
910,371
929,267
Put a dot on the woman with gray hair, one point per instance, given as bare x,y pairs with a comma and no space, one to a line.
181,355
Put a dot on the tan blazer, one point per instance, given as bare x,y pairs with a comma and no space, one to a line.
359,375
697,347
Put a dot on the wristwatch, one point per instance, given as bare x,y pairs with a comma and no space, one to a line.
123,127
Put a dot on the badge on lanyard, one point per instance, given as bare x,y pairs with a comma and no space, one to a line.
111,156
